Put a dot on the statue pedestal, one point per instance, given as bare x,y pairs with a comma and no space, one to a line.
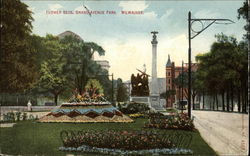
141,99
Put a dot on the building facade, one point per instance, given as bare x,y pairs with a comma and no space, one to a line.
175,92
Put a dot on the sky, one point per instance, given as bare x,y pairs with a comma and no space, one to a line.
127,38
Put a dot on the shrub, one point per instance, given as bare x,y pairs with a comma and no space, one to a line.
179,121
134,107
18,116
31,117
25,116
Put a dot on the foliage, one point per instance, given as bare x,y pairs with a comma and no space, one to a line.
243,12
137,115
32,137
86,98
134,107
17,99
79,65
53,76
18,74
179,121
94,84
122,94
224,69
129,140
17,116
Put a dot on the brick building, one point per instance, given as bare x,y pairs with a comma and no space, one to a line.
172,72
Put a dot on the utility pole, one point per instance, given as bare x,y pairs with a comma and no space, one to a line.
182,87
190,37
189,64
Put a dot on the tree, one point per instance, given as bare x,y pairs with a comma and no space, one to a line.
243,13
183,77
53,74
223,70
17,54
79,63
122,94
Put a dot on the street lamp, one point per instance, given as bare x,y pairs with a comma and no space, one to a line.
190,37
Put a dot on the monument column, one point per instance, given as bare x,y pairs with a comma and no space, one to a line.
154,88
154,92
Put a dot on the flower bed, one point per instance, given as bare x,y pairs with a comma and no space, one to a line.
127,140
109,151
138,115
178,121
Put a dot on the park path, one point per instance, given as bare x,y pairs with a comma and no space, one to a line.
226,133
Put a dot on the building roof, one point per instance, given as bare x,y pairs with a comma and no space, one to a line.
69,33
169,64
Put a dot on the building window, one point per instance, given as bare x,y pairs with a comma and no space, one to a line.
168,73
169,81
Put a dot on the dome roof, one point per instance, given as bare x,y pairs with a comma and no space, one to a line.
69,33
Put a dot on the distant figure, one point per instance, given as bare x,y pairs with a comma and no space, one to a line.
29,106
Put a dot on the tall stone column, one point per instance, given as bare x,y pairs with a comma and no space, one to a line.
154,88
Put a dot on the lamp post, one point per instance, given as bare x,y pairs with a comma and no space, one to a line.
190,37
182,86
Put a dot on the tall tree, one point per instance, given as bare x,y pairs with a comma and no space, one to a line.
79,62
17,55
53,77
224,69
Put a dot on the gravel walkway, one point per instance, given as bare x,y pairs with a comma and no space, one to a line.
226,133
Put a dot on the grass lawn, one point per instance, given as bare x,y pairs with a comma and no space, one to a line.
31,138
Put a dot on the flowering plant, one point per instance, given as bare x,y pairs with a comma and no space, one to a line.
177,121
128,140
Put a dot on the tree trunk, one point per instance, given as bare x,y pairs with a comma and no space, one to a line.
216,99
243,101
227,97
232,97
193,98
223,102
203,100
246,97
239,105
213,101
55,98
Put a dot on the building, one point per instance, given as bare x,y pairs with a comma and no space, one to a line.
174,91
104,64
69,33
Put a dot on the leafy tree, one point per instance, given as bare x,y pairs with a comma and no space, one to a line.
17,55
243,13
79,63
183,77
53,74
223,70
122,94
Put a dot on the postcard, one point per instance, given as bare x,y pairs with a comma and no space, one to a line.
111,77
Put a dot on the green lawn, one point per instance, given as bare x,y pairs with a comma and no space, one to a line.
30,138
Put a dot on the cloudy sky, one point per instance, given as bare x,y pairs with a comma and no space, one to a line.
127,39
